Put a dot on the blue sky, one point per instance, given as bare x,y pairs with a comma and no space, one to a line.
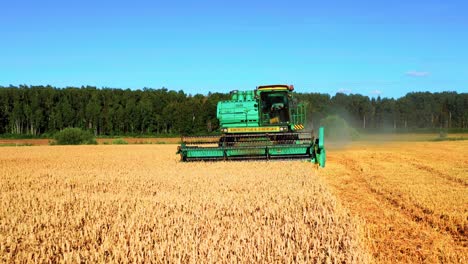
367,47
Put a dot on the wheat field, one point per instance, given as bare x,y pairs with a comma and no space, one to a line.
373,203
138,203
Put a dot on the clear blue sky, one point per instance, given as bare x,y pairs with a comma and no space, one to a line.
367,47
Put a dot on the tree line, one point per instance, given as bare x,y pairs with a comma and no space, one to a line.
38,110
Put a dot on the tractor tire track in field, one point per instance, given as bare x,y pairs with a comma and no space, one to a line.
419,213
422,215
460,161
413,211
440,174
416,222
384,248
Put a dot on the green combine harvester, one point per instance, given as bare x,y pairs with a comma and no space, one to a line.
266,123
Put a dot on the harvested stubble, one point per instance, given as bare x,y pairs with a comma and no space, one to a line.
138,203
412,196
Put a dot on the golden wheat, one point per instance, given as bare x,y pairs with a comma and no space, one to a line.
138,203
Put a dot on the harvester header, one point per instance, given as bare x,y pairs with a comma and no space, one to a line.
265,123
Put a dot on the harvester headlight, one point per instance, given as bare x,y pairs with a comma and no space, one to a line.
224,130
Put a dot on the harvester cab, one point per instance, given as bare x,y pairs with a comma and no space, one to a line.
275,107
266,123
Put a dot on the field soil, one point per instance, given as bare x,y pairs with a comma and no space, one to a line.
382,202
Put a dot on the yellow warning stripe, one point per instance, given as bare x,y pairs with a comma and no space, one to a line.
253,129
298,127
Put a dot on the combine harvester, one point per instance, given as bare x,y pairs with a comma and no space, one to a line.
266,123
